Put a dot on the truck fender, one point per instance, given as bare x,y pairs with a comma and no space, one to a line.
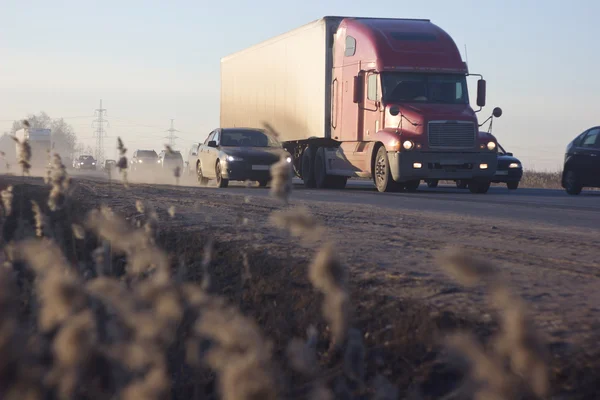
384,138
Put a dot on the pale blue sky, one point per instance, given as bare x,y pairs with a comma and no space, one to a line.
152,60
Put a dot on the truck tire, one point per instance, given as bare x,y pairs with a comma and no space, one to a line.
432,183
479,187
462,184
308,167
322,180
382,176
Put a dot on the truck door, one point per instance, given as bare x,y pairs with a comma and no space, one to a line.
370,109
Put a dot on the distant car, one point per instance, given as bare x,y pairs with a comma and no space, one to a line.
238,154
192,156
85,162
109,165
144,160
170,161
582,162
509,170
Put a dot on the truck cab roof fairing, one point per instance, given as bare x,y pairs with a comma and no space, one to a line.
403,45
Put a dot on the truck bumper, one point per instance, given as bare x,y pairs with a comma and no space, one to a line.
412,165
510,175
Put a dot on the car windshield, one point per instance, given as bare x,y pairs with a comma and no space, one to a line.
400,87
147,154
173,156
86,158
247,138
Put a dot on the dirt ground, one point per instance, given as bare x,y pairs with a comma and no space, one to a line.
402,300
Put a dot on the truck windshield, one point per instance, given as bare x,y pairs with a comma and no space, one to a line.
247,138
401,87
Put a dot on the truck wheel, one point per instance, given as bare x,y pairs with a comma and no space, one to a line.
462,184
322,181
382,176
512,185
572,185
432,183
221,182
479,187
263,183
308,168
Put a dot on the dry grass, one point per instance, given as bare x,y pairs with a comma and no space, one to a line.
541,180
94,307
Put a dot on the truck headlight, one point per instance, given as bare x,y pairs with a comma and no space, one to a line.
491,146
288,159
408,145
514,165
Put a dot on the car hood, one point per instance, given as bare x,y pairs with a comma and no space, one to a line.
253,151
509,159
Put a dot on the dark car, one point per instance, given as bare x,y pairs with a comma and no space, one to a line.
170,160
509,169
144,160
582,162
85,162
238,154
109,165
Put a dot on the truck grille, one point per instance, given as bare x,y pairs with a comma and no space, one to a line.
451,134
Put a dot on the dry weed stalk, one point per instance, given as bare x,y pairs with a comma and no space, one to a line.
239,353
24,152
41,221
281,183
61,183
122,164
7,199
330,277
299,222
516,364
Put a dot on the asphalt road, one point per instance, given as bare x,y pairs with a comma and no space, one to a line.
537,206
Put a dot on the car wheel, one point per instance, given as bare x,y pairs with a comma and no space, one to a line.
221,182
462,184
512,185
201,179
572,185
412,186
479,187
382,174
263,183
432,183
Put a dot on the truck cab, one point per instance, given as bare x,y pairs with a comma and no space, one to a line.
400,107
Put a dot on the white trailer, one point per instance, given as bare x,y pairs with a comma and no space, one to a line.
282,83
40,141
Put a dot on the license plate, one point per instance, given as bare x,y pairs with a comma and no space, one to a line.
501,172
260,167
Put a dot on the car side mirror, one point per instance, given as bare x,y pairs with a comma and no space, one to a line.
481,93
212,143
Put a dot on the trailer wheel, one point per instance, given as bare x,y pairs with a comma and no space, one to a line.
382,176
308,167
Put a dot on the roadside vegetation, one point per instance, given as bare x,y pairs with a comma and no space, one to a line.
97,305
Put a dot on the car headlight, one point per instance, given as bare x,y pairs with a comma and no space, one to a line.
514,165
232,158
93,163
289,159
140,161
491,146
408,144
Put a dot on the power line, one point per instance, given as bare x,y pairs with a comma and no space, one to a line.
100,133
172,136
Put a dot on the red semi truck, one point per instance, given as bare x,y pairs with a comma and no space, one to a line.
378,98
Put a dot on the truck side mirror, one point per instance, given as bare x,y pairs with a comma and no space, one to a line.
497,112
481,93
394,110
357,94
